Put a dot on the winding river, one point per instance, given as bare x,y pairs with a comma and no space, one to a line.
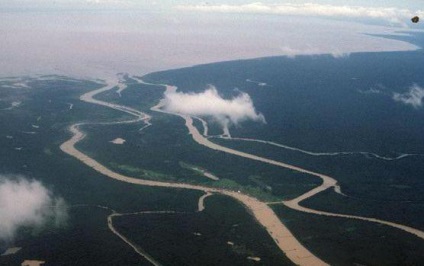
262,212
284,239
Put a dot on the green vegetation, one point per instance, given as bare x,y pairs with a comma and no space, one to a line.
262,193
201,238
161,147
142,173
87,239
253,191
261,184
314,103
196,169
138,96
340,241
326,104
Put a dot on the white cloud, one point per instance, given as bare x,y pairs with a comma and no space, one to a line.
27,203
309,50
391,14
339,54
210,104
413,97
293,52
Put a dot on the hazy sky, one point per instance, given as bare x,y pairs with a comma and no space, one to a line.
98,38
412,4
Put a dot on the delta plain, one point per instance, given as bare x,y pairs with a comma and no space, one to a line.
185,133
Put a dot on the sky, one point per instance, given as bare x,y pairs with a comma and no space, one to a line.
99,38
169,4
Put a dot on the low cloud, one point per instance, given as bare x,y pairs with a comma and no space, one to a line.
293,52
210,104
27,203
414,97
390,14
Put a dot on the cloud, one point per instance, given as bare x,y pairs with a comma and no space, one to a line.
413,97
27,203
293,52
210,104
391,14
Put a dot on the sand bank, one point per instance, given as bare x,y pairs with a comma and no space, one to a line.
32,263
118,141
11,251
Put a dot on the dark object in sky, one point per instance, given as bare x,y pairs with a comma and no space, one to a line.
415,19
